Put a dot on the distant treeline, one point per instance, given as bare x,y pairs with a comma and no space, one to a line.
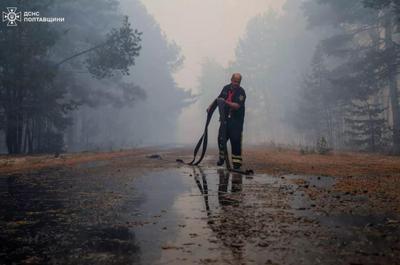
321,70
350,96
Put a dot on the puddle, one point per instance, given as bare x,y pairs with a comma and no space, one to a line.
175,212
185,215
321,182
204,215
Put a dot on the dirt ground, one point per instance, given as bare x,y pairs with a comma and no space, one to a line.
141,207
356,173
262,159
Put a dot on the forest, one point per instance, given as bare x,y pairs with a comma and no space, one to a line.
318,71
297,161
82,84
321,70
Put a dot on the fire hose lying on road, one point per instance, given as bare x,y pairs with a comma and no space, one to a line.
204,140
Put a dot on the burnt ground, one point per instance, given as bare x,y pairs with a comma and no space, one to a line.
127,208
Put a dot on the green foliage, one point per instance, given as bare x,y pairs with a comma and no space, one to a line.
366,127
123,110
36,93
26,73
117,54
362,60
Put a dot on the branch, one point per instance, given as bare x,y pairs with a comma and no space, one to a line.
85,51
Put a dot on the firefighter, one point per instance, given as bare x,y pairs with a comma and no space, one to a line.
234,97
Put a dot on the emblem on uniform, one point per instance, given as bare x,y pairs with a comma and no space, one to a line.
241,98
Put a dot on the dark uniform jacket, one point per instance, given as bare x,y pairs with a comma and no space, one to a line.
238,96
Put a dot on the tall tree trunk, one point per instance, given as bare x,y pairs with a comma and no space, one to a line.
371,128
9,134
393,90
31,133
14,90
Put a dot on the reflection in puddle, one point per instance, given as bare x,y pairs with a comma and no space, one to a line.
224,218
184,215
231,221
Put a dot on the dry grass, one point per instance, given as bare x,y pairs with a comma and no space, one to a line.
262,159
342,164
356,173
19,164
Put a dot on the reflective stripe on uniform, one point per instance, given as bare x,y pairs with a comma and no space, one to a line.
238,161
237,157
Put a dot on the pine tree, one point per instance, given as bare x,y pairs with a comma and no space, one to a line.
35,95
318,113
366,55
366,127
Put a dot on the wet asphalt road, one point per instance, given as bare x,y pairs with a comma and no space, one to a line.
97,213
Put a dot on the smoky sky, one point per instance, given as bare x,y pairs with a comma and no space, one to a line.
203,30
206,28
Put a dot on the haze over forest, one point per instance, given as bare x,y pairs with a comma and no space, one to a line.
143,73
